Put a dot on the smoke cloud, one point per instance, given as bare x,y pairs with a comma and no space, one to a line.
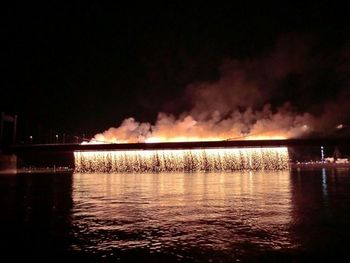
248,101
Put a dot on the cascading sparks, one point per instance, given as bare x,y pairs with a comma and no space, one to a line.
218,159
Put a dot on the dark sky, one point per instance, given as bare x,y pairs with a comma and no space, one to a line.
86,67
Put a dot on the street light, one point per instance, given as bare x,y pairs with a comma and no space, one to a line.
56,138
322,154
31,138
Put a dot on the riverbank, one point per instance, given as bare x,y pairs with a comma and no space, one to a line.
303,165
318,165
38,170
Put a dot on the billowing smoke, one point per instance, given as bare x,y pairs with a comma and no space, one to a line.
250,83
249,124
248,101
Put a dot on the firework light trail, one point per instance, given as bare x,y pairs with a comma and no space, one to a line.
209,160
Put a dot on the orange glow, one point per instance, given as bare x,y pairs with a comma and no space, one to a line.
194,139
180,139
192,135
238,126
265,137
155,139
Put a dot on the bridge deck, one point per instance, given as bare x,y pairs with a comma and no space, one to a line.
177,145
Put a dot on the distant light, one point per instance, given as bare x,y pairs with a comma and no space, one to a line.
305,127
56,135
31,137
340,126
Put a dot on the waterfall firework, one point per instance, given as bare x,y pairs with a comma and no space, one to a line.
220,159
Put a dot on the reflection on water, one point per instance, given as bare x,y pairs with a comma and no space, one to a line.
213,215
35,215
289,216
321,212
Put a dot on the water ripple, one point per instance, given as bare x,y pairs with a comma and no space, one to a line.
183,214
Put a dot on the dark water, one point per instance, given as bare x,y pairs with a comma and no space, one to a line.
289,216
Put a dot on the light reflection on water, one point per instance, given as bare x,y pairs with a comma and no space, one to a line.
184,214
299,215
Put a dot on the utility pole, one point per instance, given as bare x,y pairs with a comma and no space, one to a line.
1,127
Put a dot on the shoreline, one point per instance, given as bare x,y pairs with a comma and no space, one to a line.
319,165
304,165
38,170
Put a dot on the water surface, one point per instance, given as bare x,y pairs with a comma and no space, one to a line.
291,216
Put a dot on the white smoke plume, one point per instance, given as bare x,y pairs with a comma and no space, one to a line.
249,124
236,106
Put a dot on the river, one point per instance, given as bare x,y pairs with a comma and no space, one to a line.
290,216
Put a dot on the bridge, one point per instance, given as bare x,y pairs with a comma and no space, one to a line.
50,155
47,154
32,148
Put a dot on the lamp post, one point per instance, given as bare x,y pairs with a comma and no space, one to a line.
322,154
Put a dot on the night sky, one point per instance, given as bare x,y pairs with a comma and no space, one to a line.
83,68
